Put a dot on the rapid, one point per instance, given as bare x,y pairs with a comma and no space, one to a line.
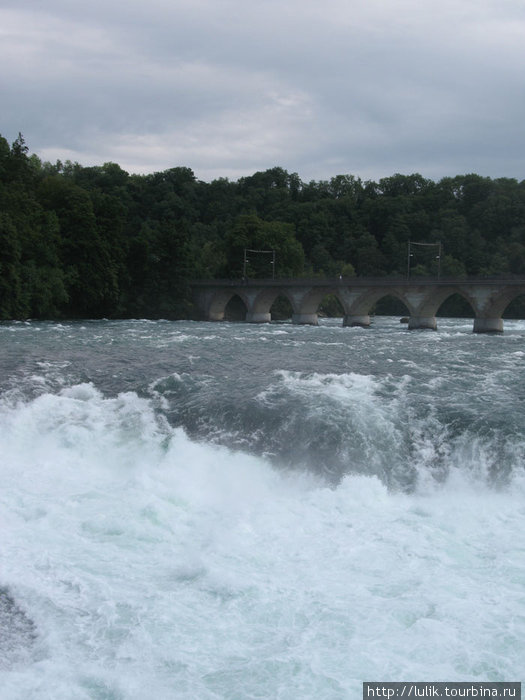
201,511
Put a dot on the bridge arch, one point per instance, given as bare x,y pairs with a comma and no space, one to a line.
265,299
427,302
330,306
490,320
221,299
366,303
516,307
390,305
308,302
502,300
358,312
281,308
311,300
460,306
235,309
434,300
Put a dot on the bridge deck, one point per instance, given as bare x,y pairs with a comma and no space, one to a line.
360,282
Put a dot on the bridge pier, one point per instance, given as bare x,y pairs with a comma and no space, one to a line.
305,319
258,317
488,325
422,322
361,321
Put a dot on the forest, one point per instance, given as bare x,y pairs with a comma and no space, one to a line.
97,242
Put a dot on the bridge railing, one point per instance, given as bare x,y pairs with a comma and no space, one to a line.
359,281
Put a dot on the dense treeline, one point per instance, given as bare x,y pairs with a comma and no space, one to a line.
79,242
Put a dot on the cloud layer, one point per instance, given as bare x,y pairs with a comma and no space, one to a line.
228,87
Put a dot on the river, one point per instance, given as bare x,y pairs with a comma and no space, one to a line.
201,511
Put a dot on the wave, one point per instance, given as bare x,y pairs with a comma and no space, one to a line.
148,562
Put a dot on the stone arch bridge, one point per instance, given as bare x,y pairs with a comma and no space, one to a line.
422,297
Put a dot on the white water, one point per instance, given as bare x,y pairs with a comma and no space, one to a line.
374,532
156,567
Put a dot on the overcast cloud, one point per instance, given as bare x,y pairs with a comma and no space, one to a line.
229,87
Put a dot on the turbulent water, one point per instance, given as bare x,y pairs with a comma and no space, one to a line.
195,510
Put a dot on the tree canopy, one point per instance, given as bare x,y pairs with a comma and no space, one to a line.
80,242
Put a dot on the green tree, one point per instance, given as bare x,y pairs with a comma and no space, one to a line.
91,280
251,232
12,302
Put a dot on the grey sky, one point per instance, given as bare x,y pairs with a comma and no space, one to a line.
229,87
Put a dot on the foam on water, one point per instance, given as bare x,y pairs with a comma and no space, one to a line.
152,565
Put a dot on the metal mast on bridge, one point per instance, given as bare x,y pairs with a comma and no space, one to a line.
432,245
252,250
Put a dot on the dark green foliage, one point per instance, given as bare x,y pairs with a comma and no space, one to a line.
281,309
331,306
83,253
96,241
456,306
250,232
11,298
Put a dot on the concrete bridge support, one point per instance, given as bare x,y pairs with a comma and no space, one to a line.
258,317
488,325
305,319
427,322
